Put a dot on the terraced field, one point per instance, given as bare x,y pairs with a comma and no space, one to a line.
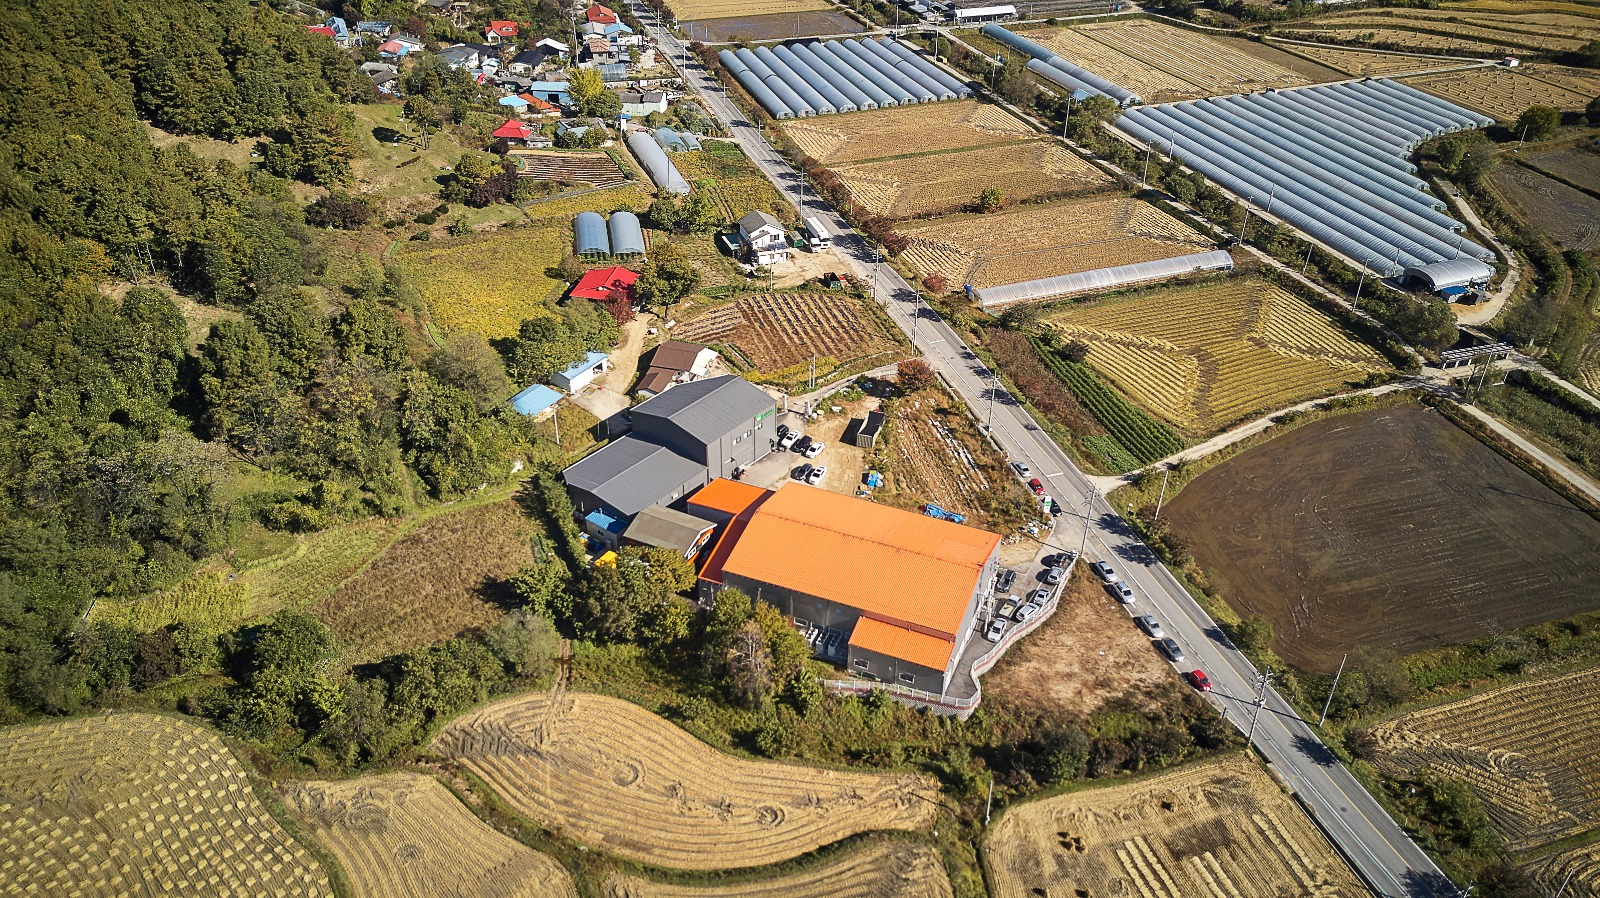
777,331
1579,165
1221,829
1210,355
1578,869
593,169
1048,240
1570,216
882,870
1526,750
139,804
1583,81
950,182
619,779
1501,93
904,130
403,835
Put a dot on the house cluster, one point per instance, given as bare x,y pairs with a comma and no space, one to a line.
886,594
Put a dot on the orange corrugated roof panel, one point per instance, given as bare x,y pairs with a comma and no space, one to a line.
900,566
729,496
897,642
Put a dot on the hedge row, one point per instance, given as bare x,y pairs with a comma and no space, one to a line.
1145,438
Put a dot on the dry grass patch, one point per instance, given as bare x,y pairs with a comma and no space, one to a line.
1222,828
138,804
1527,751
1049,240
403,835
1209,355
882,870
622,780
903,130
936,454
950,182
488,282
430,585
1501,93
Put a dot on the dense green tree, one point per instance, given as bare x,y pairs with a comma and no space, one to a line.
543,346
1538,123
235,374
470,364
525,642
316,148
667,279
365,328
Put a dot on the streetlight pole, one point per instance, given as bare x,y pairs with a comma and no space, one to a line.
1329,703
994,387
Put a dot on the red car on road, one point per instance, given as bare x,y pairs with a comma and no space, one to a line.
1037,486
1199,680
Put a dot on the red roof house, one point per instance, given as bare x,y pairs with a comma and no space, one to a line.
322,29
601,283
501,29
514,130
600,14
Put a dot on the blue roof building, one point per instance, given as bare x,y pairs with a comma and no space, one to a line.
551,92
535,400
579,374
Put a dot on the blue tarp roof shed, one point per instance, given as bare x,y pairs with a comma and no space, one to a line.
535,400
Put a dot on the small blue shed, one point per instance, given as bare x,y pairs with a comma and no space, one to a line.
579,374
535,400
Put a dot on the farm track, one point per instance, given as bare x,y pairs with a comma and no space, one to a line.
883,870
403,835
138,804
1526,750
1219,830
619,779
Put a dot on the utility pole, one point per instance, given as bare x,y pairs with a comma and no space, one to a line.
1563,890
1361,283
1163,497
989,806
1261,699
1088,509
1329,703
1145,178
1307,263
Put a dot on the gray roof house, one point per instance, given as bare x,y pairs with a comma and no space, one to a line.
763,239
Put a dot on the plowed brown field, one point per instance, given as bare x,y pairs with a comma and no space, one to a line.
1220,829
620,779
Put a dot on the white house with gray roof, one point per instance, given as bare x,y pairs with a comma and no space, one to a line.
763,239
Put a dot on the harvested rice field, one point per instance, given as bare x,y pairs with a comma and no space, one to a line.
403,835
1400,39
951,182
139,804
1578,868
772,27
616,778
1498,92
881,870
1526,750
1210,355
1583,81
685,10
1048,240
1219,828
1527,29
905,130
1570,216
1580,165
1366,62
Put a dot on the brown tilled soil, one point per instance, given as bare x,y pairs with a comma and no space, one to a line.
1088,653
773,27
1389,528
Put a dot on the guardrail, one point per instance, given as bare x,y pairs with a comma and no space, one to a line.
960,706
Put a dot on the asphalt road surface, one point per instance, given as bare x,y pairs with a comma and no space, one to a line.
1389,861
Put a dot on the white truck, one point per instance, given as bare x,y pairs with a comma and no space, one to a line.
817,236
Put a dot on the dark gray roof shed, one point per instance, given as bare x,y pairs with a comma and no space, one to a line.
707,409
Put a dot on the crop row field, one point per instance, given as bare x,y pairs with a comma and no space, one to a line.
1207,356
1049,240
735,182
593,169
1580,165
686,10
1135,436
1571,217
774,26
1583,81
1222,829
881,870
404,834
951,182
1391,529
432,584
1526,750
775,332
139,804
904,130
1501,93
1366,63
619,779
937,454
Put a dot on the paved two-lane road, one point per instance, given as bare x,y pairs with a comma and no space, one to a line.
1389,861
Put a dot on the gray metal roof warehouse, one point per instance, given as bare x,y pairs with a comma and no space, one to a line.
706,409
630,474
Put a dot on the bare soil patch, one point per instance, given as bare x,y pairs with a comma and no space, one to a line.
903,130
1222,828
1389,528
773,27
1570,216
1578,165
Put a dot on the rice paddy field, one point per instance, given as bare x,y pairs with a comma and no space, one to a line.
403,835
881,870
1048,240
1210,355
139,804
1580,165
1570,216
686,10
950,182
1499,92
1365,62
1528,28
1223,828
904,130
616,778
772,27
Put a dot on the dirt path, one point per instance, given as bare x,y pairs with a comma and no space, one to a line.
1483,312
1557,466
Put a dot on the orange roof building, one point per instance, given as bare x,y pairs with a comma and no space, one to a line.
900,590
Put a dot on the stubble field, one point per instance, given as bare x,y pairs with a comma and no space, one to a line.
775,332
1578,165
1048,240
1526,750
1578,869
1389,528
138,804
622,780
881,870
590,169
403,835
430,585
1210,355
685,10
1501,93
1365,62
1220,829
774,26
1571,217
1525,29
904,130
950,182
